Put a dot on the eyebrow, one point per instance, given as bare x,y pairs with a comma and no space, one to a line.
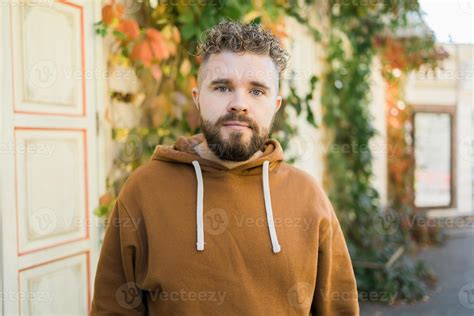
227,81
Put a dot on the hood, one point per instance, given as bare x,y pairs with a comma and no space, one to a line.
183,152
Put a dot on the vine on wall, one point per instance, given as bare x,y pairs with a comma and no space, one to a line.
402,56
358,34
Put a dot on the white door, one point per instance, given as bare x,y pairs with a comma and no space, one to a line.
49,81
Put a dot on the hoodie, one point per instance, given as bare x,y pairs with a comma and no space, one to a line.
189,236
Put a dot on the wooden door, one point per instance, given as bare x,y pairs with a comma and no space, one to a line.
49,78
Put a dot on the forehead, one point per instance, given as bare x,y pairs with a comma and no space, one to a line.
240,68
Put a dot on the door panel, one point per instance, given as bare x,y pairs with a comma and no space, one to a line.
49,76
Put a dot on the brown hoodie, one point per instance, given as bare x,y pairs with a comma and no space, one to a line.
188,236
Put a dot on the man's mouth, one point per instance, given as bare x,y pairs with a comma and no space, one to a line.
236,124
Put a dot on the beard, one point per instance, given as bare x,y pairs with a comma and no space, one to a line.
234,148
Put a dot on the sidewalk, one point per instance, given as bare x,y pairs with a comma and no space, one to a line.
454,294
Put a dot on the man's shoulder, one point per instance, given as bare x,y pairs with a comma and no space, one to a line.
299,175
148,177
308,187
151,170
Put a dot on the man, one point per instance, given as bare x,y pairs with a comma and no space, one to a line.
218,223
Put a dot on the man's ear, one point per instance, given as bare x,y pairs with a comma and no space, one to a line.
279,101
195,93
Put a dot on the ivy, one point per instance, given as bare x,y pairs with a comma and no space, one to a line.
352,48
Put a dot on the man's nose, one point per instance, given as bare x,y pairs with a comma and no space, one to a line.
239,103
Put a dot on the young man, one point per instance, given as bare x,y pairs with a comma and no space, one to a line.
218,223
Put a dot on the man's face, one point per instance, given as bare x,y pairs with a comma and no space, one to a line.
237,100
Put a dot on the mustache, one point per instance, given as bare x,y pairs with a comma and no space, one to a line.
235,117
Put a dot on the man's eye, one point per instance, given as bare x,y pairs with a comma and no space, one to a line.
257,92
222,89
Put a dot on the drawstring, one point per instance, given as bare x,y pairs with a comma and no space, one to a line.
200,193
268,208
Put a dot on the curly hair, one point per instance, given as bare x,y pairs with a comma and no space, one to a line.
238,37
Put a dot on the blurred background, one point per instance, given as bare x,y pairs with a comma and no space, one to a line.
378,106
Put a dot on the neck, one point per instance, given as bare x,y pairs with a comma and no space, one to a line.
203,150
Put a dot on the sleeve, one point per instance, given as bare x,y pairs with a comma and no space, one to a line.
336,290
115,289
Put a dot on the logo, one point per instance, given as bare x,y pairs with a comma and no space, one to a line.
300,295
216,221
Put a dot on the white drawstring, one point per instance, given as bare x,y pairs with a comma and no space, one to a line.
268,208
199,208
